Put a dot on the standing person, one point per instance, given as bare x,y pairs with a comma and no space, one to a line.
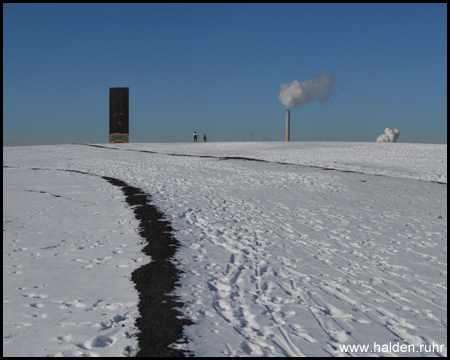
195,136
204,137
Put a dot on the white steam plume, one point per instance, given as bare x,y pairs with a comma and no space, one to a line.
302,92
389,135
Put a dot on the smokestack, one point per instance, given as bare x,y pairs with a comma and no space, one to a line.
288,125
299,93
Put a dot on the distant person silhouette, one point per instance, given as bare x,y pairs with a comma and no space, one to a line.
195,136
204,137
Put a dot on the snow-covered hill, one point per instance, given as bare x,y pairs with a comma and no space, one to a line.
319,247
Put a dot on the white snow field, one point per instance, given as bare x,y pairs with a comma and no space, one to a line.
280,257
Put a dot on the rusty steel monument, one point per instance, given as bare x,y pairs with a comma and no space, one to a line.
118,115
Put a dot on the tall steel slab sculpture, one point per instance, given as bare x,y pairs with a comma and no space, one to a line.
118,115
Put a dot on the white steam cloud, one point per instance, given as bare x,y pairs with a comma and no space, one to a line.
389,135
302,92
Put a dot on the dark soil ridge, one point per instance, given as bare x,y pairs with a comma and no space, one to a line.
160,323
258,160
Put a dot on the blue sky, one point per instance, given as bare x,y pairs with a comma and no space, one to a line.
217,69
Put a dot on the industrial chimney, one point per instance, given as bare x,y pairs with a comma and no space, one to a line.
288,125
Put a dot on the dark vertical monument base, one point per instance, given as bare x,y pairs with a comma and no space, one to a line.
118,115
